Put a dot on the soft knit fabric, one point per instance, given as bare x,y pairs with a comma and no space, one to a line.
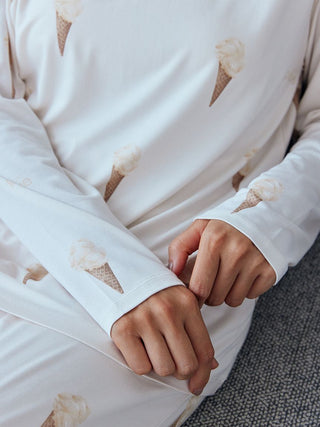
122,122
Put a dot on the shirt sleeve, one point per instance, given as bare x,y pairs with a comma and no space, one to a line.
280,209
63,220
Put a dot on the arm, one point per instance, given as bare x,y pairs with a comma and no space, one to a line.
63,220
68,227
273,222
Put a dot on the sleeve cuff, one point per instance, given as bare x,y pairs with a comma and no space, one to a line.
128,301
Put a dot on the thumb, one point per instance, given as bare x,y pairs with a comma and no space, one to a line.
184,245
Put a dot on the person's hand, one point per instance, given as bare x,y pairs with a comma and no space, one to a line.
228,266
166,333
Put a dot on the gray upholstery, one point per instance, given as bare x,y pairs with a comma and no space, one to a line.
276,377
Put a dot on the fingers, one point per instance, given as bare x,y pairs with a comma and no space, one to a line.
253,280
205,269
204,351
182,352
158,353
231,286
166,333
172,325
239,290
262,283
133,351
184,245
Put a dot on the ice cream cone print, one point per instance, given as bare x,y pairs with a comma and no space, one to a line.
63,28
236,180
85,256
13,90
297,95
244,171
49,422
252,200
36,272
264,190
113,183
68,411
230,54
105,274
66,13
125,161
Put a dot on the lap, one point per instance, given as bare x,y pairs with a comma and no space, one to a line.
39,365
50,345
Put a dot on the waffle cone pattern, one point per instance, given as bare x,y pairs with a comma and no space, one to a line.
113,183
105,274
251,200
63,28
222,81
49,422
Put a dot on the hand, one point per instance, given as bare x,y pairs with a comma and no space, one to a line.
228,267
166,333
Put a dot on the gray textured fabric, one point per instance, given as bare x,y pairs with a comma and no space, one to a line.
276,378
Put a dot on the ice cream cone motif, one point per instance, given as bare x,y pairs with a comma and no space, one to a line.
7,41
68,411
298,93
36,272
243,172
85,256
264,190
125,161
66,13
230,54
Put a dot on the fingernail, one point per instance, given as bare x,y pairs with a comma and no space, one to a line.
214,364
198,391
170,265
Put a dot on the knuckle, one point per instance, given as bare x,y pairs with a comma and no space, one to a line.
252,295
200,290
188,369
164,371
177,244
165,309
258,264
214,301
180,377
240,250
234,302
174,245
122,327
142,369
188,299
270,274
142,316
214,241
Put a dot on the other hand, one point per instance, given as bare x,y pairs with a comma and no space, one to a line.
166,333
228,266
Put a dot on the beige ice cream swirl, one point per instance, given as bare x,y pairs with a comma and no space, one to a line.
84,255
231,54
69,9
126,159
70,410
267,189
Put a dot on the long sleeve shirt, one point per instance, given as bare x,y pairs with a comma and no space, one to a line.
121,122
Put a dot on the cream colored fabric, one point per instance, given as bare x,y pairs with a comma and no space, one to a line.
92,87
57,374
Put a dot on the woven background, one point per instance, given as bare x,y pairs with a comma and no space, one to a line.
276,378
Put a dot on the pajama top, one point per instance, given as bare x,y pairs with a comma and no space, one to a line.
121,122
